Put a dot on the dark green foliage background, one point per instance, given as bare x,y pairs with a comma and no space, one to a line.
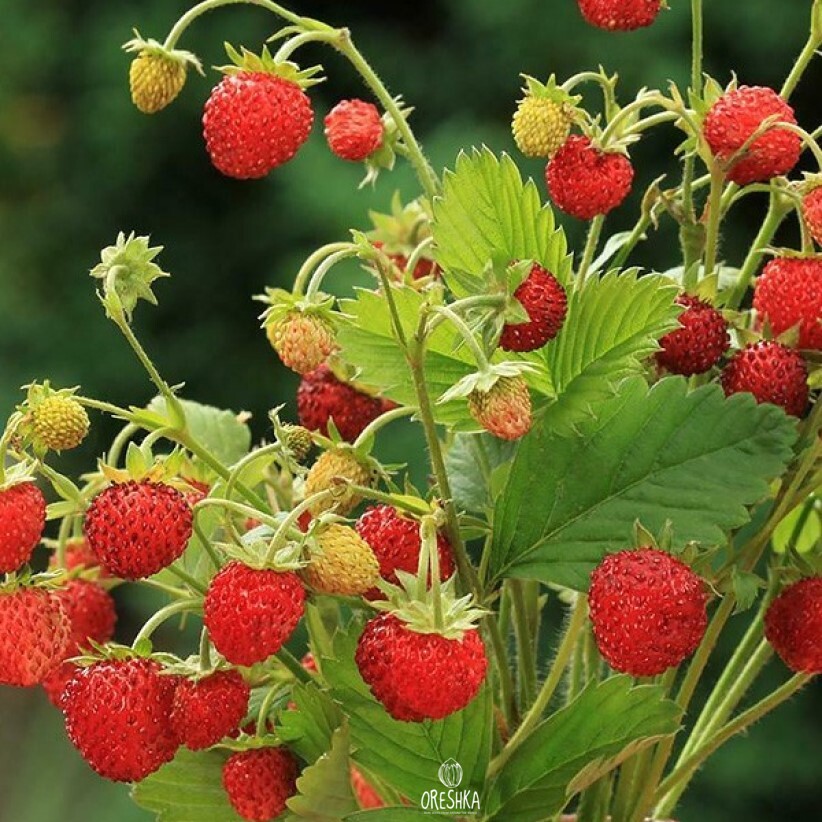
78,163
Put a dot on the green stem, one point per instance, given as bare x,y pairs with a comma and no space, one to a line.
686,692
187,578
189,605
802,62
566,648
281,534
238,508
380,422
11,426
591,243
638,232
207,546
293,664
311,263
201,8
526,663
506,681
732,697
743,721
466,334
324,267
714,219
265,708
205,651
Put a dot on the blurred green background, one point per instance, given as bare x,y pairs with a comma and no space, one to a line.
78,163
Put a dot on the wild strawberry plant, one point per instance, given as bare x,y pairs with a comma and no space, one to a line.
641,449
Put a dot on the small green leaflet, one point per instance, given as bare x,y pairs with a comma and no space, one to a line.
324,792
612,324
187,789
696,459
487,213
604,725
408,755
219,431
476,465
308,730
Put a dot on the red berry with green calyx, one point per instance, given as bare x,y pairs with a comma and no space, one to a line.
793,625
254,122
395,541
647,610
788,294
22,519
118,717
138,528
771,372
34,634
354,130
734,119
418,676
699,344
620,15
209,709
812,212
585,181
259,782
546,304
250,613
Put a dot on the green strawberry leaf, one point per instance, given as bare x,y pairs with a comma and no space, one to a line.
476,465
308,730
408,755
187,789
805,539
324,788
368,344
399,813
695,459
221,432
603,726
612,324
487,214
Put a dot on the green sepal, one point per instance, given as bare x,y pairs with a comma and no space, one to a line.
140,45
245,60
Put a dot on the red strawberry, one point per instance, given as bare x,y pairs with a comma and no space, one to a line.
117,716
255,121
585,181
812,212
419,676
199,491
321,396
425,266
250,614
22,519
258,782
209,709
772,373
733,120
34,635
620,15
793,625
309,663
699,344
354,130
546,304
138,528
78,556
504,410
647,609
789,293
92,616
367,797
395,541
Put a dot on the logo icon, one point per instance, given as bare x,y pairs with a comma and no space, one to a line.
450,773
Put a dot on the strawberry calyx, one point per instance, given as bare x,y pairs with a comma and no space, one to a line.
142,466
485,379
150,46
26,578
127,271
551,90
385,156
282,303
264,63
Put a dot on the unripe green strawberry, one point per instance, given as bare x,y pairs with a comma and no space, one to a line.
155,81
302,341
298,441
59,422
328,471
505,410
540,126
345,565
